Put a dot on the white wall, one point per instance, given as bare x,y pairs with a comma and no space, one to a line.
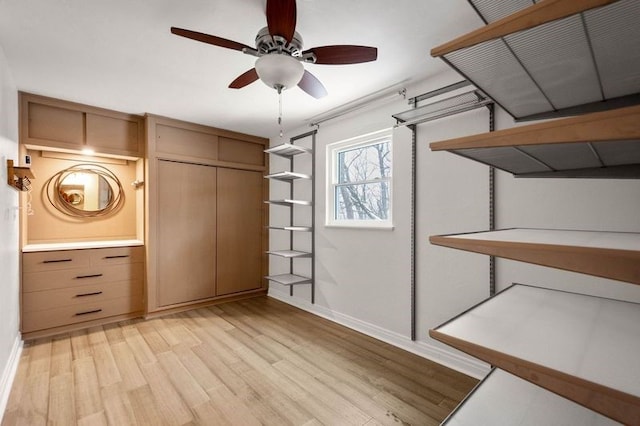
582,204
363,276
9,283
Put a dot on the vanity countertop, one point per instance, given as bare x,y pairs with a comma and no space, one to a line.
81,245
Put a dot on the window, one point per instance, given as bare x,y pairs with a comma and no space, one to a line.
359,190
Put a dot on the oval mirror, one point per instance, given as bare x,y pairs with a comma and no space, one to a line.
85,190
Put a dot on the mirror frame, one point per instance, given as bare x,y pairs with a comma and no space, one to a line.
55,194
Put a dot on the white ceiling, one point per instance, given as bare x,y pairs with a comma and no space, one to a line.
119,54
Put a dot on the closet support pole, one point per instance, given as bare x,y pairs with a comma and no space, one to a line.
492,205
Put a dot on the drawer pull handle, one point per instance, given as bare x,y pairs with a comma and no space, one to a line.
95,311
95,293
57,260
121,256
88,276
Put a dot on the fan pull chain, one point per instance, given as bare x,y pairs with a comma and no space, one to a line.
280,112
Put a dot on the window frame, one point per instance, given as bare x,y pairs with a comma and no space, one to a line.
333,151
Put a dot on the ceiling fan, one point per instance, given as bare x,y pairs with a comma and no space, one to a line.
280,55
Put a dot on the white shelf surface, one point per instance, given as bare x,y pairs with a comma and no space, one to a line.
568,343
289,279
293,228
504,399
614,255
288,202
288,150
289,253
592,239
286,175
80,245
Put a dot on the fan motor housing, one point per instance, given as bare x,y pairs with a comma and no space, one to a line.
265,43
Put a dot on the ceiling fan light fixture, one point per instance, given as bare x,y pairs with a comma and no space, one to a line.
279,71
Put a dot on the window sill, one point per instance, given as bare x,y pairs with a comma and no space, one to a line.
381,227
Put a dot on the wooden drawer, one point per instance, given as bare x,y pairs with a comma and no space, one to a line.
116,255
75,314
79,296
67,259
55,260
77,277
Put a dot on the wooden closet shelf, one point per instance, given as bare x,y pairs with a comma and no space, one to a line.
614,255
525,61
502,398
561,341
602,144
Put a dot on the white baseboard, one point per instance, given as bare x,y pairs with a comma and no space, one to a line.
9,373
451,359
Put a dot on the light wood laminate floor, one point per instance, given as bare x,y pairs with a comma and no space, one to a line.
251,362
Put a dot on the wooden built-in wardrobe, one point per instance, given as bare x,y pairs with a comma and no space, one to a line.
206,233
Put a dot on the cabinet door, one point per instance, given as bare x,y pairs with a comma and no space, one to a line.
186,232
240,229
119,135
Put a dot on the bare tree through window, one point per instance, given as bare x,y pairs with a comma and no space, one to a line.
362,186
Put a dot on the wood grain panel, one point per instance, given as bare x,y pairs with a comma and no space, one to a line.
38,281
187,142
186,232
54,260
117,255
238,151
76,314
240,228
42,300
115,134
46,122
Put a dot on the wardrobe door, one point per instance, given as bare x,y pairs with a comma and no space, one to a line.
186,232
240,204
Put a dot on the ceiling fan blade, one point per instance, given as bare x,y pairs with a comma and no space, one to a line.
312,85
343,54
209,39
281,18
244,79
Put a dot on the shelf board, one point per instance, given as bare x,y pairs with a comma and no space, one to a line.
289,253
288,202
537,48
614,255
502,398
583,348
602,144
289,279
288,150
288,176
292,228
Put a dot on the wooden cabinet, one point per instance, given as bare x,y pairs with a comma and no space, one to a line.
53,123
69,289
206,229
